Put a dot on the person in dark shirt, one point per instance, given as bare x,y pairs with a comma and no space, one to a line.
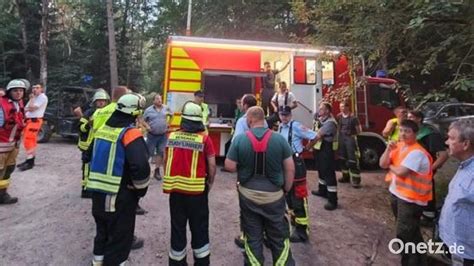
269,85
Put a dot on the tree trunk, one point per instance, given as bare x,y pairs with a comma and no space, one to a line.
112,46
20,5
43,43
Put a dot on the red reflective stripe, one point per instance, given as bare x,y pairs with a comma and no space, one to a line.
259,145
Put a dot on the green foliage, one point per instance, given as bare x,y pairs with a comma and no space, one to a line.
425,44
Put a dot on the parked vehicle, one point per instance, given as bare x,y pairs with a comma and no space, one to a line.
59,116
441,114
226,69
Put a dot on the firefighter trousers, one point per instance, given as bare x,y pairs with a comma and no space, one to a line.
408,229
270,219
296,198
327,172
195,210
349,155
114,216
7,166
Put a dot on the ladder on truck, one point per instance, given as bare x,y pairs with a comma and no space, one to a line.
360,96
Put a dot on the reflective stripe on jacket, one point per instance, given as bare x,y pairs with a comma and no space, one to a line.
185,169
108,160
416,187
335,143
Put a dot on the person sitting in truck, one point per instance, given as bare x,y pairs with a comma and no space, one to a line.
392,127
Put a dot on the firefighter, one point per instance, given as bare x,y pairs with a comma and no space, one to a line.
119,176
34,112
296,198
390,132
325,147
348,129
266,170
99,100
11,125
189,175
199,100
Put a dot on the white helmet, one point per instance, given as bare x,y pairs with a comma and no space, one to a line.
192,111
132,104
27,83
100,94
16,83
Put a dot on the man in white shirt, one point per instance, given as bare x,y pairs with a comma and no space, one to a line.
34,111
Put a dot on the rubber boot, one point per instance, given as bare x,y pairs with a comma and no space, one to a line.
345,178
5,198
182,262
202,261
239,241
29,164
332,201
300,234
137,243
140,210
321,192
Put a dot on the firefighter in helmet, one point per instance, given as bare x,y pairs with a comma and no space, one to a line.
99,100
189,174
11,125
119,176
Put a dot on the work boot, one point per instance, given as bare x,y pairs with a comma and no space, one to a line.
344,179
140,210
239,241
299,234
137,243
356,185
29,164
157,175
5,198
21,164
321,192
332,201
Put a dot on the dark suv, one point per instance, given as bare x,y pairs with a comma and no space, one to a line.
59,116
441,114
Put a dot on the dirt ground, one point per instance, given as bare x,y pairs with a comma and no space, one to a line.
52,225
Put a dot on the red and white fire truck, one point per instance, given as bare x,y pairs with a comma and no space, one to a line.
226,69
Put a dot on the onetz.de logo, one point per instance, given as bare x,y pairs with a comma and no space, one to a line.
397,246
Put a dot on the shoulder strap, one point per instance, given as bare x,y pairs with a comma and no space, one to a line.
259,145
286,98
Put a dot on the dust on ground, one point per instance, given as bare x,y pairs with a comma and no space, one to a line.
52,225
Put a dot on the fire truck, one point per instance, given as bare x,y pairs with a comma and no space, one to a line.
226,69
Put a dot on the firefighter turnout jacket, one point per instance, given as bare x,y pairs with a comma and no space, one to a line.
186,162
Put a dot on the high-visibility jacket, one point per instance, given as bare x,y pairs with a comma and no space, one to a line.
416,187
101,116
10,132
335,143
396,130
108,160
85,129
186,169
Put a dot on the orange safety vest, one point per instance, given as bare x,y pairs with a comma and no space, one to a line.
185,168
415,187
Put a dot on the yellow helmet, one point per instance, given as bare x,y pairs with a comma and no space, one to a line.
192,111
131,103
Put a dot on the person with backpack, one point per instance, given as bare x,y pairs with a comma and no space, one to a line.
297,198
265,172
